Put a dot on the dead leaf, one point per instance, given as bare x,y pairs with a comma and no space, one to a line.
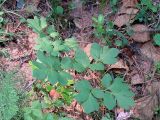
87,51
140,33
150,51
129,3
144,108
120,64
136,79
126,13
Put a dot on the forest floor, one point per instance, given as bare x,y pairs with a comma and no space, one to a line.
136,60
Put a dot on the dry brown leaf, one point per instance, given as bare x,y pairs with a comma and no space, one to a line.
129,3
140,33
144,108
150,51
121,20
126,13
87,51
136,79
120,64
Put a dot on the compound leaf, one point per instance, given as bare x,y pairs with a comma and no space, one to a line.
90,105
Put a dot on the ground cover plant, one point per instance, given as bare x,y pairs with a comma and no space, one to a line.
89,60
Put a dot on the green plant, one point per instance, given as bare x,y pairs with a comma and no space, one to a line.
8,96
157,66
34,112
157,39
106,32
146,7
111,92
113,4
54,66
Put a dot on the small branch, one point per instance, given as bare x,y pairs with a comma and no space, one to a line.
149,30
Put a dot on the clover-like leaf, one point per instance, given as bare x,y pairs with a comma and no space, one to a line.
122,93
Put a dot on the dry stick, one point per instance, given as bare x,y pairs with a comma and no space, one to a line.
29,85
148,30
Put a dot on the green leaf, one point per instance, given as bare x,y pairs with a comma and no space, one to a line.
51,29
66,63
64,77
59,10
82,58
36,105
54,34
95,51
71,43
90,105
53,77
78,67
96,66
1,13
100,19
109,101
43,22
97,93
40,74
49,117
82,96
124,101
37,113
122,93
35,24
157,39
108,55
83,85
106,80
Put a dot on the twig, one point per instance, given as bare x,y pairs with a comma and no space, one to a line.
2,3
13,13
29,85
149,30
